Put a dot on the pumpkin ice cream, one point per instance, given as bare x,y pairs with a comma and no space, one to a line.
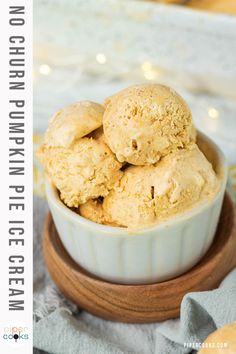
93,210
145,122
81,168
73,122
149,194
222,341
134,164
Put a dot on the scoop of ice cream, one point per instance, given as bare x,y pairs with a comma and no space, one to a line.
221,341
73,122
86,170
94,211
149,194
98,134
145,122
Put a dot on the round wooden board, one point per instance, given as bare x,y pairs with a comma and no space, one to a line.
141,303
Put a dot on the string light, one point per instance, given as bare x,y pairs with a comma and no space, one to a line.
101,58
213,113
146,66
213,124
150,75
148,71
44,69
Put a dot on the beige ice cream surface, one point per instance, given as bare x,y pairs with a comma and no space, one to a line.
145,122
85,171
93,210
73,122
139,155
149,194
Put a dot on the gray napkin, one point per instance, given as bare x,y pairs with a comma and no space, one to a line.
60,328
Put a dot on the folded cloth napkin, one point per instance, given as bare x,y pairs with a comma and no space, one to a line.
60,328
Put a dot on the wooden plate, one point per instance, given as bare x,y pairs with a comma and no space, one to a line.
141,303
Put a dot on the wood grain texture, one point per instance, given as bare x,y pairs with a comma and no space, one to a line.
141,303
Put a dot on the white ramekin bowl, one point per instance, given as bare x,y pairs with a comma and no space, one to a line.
151,255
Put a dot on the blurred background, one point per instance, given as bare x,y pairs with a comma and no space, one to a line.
91,49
